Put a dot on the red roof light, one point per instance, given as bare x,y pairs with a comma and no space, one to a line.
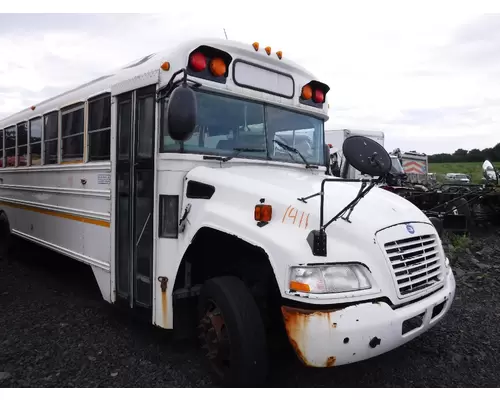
198,62
319,97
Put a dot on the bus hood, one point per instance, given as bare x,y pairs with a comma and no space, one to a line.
244,186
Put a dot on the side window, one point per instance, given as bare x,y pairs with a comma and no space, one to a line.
10,146
99,130
22,144
1,148
51,133
36,141
72,134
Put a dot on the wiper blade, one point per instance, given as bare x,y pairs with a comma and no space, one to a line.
294,150
238,150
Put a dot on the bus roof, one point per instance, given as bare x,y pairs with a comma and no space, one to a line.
176,54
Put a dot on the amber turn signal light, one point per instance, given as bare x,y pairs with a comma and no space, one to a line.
299,286
263,212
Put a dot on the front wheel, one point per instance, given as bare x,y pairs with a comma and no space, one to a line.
232,333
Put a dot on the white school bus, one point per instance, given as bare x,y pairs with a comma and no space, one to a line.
194,183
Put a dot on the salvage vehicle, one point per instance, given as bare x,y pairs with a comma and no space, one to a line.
177,180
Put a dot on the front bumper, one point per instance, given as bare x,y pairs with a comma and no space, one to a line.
355,333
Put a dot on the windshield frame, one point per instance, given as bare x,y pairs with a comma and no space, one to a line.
294,159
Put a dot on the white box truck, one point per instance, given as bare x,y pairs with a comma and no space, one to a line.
335,139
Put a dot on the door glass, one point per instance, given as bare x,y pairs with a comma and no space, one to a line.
123,223
124,129
146,126
124,208
144,234
144,180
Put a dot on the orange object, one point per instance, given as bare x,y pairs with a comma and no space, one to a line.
279,54
307,92
300,287
268,50
218,67
255,46
165,66
263,212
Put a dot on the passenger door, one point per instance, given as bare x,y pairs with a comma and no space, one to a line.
136,113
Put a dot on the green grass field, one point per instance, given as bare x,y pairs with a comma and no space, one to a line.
474,169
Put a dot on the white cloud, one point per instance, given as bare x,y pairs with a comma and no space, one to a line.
428,77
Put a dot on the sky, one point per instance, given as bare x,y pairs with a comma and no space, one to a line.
429,78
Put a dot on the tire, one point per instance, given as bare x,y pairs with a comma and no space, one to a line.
225,303
5,238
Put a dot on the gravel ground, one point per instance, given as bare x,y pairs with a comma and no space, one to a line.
55,330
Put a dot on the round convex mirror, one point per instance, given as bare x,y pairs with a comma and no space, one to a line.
366,155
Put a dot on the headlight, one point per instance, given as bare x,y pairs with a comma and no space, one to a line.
335,278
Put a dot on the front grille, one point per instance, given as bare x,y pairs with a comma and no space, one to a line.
416,264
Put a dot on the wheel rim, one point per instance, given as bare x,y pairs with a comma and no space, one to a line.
214,338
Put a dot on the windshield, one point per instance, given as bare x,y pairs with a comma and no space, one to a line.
227,125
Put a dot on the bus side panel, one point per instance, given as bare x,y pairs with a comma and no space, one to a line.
65,208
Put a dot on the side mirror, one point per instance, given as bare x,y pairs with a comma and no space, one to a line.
182,111
489,172
367,156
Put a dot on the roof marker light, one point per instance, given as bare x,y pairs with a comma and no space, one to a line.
279,54
268,50
218,67
198,62
307,92
255,46
319,96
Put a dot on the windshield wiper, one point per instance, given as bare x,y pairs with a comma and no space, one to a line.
294,150
238,150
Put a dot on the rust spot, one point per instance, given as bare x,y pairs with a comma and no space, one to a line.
330,361
164,307
296,325
163,286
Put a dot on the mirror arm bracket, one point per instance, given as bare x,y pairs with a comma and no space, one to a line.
317,239
167,89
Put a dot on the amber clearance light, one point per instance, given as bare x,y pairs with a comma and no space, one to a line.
218,67
307,92
263,212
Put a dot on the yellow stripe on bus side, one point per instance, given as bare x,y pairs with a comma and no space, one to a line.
59,214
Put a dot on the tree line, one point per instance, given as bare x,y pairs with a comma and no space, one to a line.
461,155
